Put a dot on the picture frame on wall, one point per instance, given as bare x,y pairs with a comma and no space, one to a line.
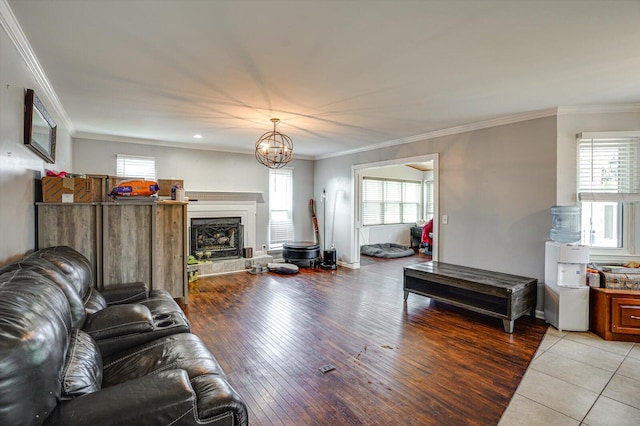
39,128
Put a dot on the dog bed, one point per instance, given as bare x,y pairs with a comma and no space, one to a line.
386,250
283,268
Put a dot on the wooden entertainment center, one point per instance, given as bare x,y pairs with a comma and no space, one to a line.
496,294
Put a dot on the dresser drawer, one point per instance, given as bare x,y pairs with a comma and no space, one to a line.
625,315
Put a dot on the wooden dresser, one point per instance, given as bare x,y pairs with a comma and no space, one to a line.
615,314
125,241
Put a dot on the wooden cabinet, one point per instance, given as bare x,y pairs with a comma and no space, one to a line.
75,225
125,242
615,314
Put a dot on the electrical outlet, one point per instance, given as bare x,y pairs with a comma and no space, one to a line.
445,219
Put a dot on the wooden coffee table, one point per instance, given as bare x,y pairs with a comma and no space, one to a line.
491,293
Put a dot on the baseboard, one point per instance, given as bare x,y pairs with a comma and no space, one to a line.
350,265
540,314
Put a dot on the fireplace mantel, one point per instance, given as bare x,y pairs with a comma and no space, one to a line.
255,196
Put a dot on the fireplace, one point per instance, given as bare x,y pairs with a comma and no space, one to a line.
216,238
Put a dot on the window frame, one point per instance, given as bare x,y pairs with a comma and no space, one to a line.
384,202
627,199
285,171
121,166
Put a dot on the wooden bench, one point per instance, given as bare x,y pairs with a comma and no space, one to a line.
496,294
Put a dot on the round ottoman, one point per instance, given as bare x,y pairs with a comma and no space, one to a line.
304,253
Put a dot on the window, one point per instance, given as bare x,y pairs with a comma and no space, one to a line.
387,201
280,207
608,187
136,166
429,202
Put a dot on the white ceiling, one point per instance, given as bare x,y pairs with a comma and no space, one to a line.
340,75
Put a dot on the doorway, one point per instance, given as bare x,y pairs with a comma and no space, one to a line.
426,166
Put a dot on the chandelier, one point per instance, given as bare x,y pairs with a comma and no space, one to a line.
274,149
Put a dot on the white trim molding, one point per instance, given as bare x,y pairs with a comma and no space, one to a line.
500,121
599,109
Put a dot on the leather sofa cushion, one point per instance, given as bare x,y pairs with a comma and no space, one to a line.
94,302
216,398
82,373
119,320
182,351
166,398
125,293
34,336
70,262
161,302
47,269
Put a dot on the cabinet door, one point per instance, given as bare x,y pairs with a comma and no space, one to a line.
625,315
170,265
127,243
73,225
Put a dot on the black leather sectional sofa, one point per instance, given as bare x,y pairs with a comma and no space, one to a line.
70,355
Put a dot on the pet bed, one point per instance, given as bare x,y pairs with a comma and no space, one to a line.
386,250
283,268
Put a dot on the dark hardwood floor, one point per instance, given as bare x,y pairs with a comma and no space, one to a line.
413,363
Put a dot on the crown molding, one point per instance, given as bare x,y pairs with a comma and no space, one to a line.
177,145
12,27
510,119
500,121
599,109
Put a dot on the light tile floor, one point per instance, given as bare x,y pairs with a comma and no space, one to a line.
578,379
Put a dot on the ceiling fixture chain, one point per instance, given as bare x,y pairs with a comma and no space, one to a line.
274,149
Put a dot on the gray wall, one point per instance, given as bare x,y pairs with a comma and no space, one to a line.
21,168
207,170
496,186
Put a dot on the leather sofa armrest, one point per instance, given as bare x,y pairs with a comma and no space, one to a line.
125,293
162,398
119,320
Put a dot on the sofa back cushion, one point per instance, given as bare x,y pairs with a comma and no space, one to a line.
82,373
35,322
52,272
72,263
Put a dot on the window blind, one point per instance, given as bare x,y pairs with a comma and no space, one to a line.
136,166
429,200
608,167
389,201
280,207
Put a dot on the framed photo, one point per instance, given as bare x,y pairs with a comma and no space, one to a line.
39,128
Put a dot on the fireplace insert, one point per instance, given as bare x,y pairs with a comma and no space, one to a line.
216,238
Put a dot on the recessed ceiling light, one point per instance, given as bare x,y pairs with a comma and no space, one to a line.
197,136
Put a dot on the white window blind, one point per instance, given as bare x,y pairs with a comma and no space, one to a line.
608,166
429,210
136,166
280,207
389,201
608,185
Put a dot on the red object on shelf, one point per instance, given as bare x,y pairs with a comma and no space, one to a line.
56,174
